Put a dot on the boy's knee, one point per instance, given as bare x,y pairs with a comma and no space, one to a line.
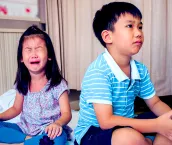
128,136
161,140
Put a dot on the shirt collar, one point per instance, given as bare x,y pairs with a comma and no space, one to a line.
119,74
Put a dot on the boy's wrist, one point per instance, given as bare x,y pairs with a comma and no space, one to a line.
158,125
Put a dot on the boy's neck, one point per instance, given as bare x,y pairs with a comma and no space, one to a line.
122,61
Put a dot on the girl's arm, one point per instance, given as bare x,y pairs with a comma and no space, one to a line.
14,110
65,110
55,129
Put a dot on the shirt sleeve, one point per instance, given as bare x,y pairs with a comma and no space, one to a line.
59,89
96,87
15,88
147,89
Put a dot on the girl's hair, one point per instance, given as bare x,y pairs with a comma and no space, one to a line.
52,70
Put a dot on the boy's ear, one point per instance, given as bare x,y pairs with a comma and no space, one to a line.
107,36
21,60
49,59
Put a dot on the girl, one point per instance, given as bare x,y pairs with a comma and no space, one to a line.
42,94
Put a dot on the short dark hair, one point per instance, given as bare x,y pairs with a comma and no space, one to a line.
109,14
52,70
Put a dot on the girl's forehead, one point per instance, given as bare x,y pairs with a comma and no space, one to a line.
35,35
33,39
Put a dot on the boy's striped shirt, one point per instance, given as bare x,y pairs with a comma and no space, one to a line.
105,83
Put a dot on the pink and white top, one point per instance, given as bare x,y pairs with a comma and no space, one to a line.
41,109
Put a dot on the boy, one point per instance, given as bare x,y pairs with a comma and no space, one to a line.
112,82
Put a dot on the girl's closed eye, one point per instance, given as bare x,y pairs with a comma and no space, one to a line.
27,49
39,48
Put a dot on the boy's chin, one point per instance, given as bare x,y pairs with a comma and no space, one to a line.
135,51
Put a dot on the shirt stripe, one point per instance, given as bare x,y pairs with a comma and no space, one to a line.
105,84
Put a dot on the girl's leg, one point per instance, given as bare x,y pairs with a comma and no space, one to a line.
60,140
11,133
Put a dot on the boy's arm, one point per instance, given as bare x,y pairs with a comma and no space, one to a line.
107,120
157,106
14,110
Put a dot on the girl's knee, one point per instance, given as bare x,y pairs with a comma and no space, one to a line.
43,139
61,140
128,136
2,124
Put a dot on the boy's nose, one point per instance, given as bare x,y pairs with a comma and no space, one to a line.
139,36
139,33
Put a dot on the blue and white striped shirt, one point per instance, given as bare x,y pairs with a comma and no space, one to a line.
105,83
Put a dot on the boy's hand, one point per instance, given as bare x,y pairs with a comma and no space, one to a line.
53,130
164,123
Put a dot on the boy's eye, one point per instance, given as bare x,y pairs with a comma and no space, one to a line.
130,26
140,27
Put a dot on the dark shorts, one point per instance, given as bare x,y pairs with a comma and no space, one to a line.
97,136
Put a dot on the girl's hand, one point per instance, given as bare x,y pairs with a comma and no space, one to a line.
53,130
